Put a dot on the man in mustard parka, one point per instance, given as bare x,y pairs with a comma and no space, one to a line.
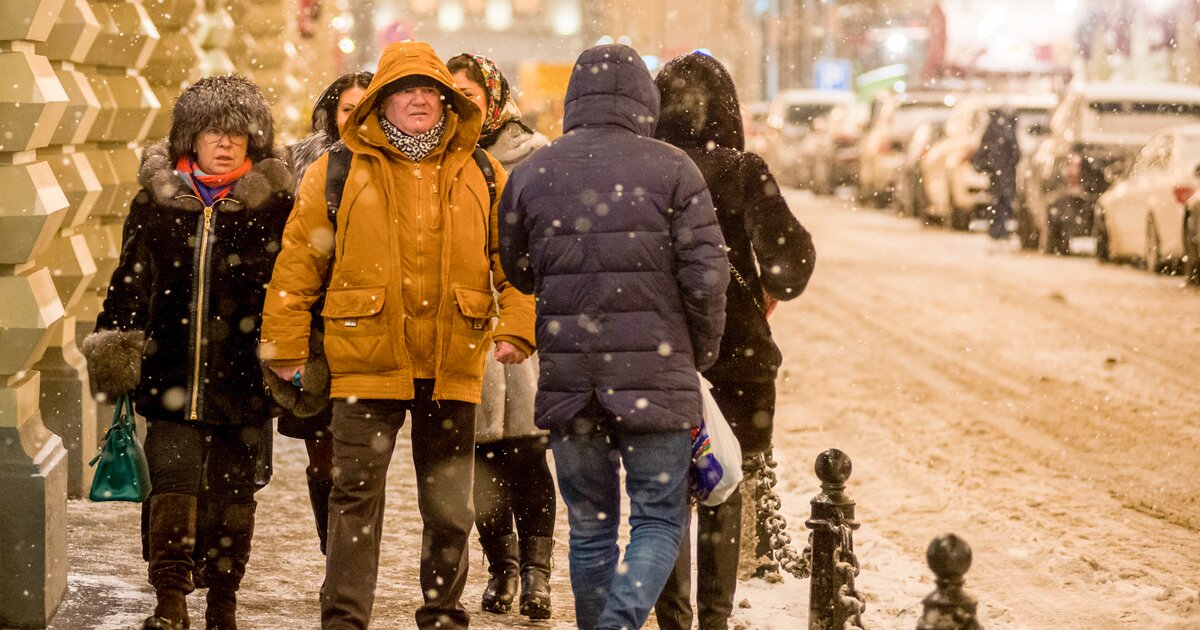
408,313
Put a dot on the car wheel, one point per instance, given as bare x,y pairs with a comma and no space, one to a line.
1191,247
959,219
1153,257
1053,238
1100,231
1027,232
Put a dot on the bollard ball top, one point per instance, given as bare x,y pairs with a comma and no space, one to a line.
949,556
833,466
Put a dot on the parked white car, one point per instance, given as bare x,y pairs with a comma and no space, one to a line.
1094,132
955,191
1142,215
882,150
789,119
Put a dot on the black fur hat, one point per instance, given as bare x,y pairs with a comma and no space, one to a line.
228,102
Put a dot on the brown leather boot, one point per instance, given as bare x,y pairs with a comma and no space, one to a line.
171,536
227,564
503,572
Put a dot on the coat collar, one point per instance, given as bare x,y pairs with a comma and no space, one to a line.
269,178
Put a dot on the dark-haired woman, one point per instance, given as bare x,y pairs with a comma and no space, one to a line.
306,408
179,331
512,480
700,114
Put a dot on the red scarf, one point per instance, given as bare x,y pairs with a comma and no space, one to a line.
216,186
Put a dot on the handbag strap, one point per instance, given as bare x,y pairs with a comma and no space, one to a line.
745,285
123,411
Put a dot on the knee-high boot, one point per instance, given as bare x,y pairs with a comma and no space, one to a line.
227,564
536,555
503,571
171,536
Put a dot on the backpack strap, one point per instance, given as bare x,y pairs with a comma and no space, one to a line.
489,174
339,170
335,179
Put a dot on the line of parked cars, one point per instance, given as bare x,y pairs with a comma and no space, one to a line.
1108,167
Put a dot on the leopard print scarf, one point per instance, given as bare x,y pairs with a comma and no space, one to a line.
417,147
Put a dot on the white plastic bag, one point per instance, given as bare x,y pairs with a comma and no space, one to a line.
716,468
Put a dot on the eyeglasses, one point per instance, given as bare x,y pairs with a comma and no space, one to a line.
213,135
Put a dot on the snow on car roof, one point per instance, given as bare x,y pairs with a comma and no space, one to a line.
1139,91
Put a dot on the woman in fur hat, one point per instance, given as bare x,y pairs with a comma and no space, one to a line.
180,327
512,480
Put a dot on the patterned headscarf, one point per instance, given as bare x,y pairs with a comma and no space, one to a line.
497,94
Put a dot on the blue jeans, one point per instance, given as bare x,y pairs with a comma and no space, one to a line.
608,597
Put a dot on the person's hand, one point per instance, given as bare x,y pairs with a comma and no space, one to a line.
508,354
290,373
769,303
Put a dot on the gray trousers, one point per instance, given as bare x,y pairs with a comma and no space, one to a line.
364,436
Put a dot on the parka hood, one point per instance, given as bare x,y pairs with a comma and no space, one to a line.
404,59
699,104
610,85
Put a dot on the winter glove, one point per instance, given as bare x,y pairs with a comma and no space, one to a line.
312,395
114,361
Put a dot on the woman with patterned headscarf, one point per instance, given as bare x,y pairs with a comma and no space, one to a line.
512,480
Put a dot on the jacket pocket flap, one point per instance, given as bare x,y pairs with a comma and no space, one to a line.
475,303
353,302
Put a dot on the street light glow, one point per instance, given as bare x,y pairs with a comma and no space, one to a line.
897,43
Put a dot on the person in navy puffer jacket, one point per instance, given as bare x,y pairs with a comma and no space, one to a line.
615,234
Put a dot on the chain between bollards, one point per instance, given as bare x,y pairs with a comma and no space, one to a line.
834,602
782,554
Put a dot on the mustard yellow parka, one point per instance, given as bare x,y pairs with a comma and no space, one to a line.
410,294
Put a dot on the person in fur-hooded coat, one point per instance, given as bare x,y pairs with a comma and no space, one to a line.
179,332
771,258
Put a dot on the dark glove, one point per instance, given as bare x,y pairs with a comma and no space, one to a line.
312,396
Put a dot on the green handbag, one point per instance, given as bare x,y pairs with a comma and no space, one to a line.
122,473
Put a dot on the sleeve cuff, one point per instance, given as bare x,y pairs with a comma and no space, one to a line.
521,344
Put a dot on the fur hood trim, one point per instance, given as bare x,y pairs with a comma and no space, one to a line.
267,178
302,154
514,143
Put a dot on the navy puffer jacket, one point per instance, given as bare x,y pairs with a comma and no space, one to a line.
616,235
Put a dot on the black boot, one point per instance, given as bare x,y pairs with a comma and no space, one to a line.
503,571
319,486
536,555
225,568
170,536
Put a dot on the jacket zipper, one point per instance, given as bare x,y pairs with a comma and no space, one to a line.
199,315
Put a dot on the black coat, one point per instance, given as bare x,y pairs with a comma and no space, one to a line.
615,234
701,115
769,249
157,283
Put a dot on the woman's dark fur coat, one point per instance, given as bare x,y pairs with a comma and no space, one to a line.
155,287
700,114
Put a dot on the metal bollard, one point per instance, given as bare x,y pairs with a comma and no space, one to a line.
833,600
949,607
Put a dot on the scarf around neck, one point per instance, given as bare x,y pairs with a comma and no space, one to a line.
417,147
209,188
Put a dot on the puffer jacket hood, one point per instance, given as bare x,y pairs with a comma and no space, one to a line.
610,85
404,59
699,104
